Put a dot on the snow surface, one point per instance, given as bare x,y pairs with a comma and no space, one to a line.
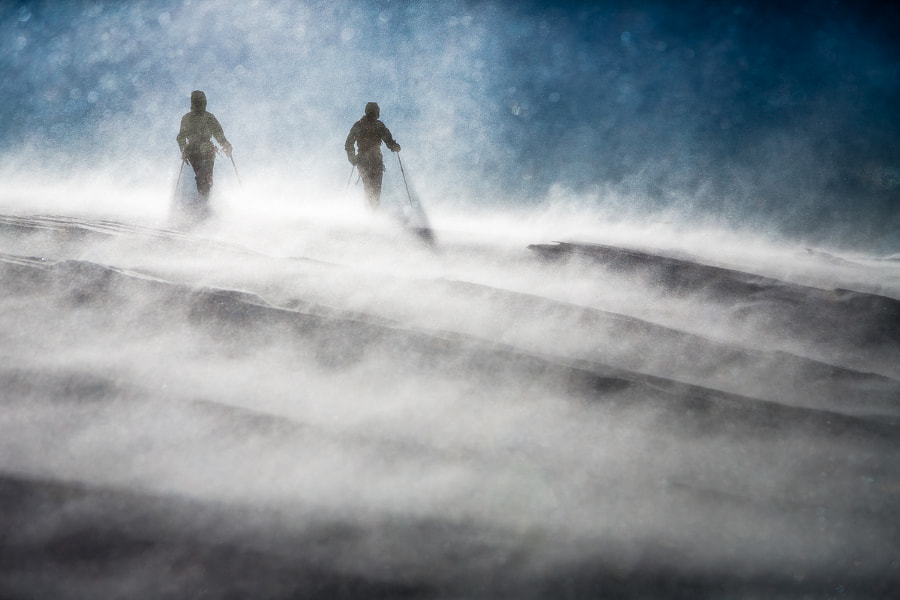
305,401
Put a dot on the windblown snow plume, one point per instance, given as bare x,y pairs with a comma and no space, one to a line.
626,325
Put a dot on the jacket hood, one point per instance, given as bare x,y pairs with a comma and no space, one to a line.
198,101
372,110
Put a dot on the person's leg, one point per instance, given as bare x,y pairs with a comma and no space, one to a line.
371,169
373,188
201,158
203,169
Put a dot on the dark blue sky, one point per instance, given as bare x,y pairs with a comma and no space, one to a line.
783,114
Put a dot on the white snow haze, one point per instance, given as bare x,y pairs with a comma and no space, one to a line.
651,347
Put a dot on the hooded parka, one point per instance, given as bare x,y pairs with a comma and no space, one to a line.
198,127
367,135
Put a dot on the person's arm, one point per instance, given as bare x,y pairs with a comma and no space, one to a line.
348,144
388,139
219,134
181,138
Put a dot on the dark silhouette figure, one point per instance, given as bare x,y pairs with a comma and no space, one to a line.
194,139
367,134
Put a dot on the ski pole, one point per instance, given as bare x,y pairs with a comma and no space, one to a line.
406,185
349,179
178,179
423,230
235,170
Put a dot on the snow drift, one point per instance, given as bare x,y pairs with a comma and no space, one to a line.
347,412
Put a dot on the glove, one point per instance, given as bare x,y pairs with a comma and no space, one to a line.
227,148
352,158
395,148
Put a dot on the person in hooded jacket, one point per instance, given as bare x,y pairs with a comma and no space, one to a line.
367,134
194,140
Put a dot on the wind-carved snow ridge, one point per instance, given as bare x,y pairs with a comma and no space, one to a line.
481,418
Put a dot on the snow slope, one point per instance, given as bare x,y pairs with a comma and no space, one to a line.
332,409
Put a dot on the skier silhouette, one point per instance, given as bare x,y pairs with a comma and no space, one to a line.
367,134
194,140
